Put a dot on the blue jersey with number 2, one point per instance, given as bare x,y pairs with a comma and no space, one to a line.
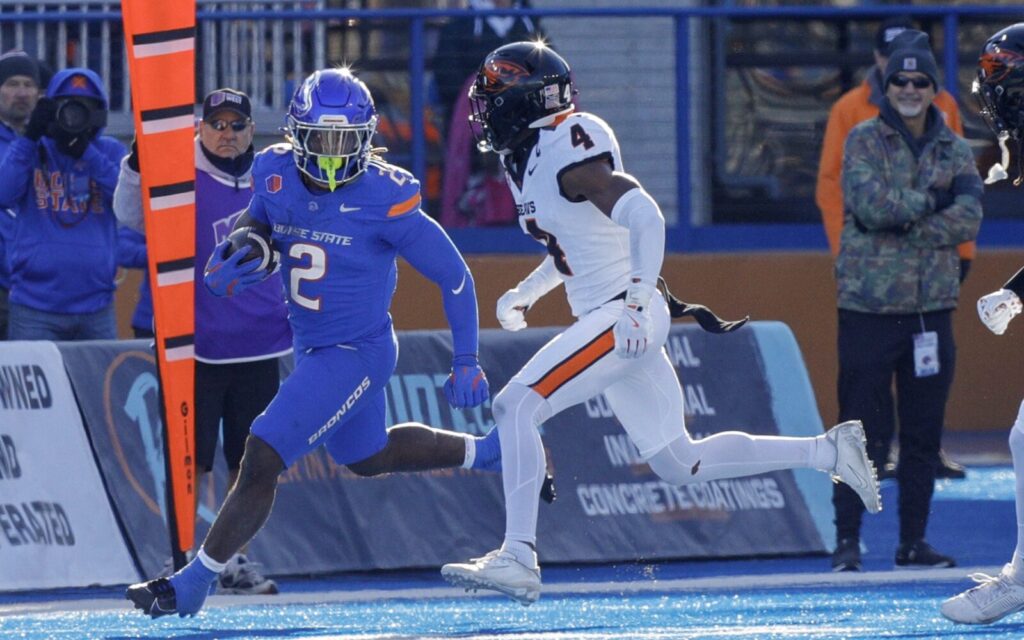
338,249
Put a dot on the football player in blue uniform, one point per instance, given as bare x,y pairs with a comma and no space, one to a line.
339,216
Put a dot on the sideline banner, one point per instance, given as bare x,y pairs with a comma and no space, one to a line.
160,38
611,507
57,528
116,384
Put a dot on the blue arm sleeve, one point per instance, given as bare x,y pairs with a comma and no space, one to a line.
104,164
16,170
431,252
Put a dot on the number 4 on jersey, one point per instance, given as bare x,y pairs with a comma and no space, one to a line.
579,137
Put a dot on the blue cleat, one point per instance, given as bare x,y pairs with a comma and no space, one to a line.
488,452
183,593
155,598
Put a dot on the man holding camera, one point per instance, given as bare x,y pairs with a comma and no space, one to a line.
59,177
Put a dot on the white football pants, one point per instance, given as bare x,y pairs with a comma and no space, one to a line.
645,396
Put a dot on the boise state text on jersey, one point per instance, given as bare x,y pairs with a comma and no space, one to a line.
338,249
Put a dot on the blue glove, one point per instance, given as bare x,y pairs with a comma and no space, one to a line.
225,277
467,385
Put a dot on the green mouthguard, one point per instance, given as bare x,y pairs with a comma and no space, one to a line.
330,166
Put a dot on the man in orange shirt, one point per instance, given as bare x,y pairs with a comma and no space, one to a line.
853,107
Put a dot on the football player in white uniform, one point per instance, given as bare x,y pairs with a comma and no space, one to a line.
999,88
605,238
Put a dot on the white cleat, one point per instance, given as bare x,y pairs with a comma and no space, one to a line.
853,467
497,571
995,597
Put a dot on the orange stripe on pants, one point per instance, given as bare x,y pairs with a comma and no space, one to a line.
575,364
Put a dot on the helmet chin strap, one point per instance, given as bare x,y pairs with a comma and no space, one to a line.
330,165
997,172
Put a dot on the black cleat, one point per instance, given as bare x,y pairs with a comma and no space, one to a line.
156,598
846,557
949,468
921,555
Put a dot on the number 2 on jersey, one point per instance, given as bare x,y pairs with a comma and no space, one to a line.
316,270
551,242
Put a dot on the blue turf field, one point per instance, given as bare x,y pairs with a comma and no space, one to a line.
748,599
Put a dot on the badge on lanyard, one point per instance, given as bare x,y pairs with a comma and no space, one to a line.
926,354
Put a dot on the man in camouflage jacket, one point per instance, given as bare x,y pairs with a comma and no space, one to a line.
912,194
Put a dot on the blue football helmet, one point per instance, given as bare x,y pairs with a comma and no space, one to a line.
331,121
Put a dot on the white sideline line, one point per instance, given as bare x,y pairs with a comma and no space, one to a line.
768,581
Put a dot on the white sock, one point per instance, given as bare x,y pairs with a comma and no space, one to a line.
824,454
1017,568
522,552
734,454
210,563
1017,454
467,462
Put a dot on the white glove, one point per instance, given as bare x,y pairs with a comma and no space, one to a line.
512,309
633,330
997,309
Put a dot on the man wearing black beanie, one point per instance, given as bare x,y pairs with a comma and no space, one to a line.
911,194
19,92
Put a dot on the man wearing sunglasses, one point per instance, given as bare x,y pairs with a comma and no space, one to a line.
853,107
911,194
238,339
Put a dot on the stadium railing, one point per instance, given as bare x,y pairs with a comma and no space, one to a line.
232,50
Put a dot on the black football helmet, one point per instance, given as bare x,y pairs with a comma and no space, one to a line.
999,85
520,87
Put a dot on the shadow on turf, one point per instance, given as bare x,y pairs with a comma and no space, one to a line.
217,634
995,630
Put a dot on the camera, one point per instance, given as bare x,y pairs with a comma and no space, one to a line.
76,116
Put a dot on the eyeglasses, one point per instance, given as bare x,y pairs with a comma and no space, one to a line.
902,81
238,126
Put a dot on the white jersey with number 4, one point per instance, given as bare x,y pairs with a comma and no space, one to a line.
590,251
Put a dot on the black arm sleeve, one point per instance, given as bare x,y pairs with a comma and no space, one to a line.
1016,284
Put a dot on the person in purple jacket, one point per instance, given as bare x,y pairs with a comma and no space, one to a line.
238,340
59,178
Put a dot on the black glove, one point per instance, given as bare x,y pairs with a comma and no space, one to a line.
133,157
965,266
42,116
76,145
943,198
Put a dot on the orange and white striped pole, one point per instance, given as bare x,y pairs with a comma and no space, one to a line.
160,38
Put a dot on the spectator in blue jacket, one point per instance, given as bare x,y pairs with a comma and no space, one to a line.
19,92
59,177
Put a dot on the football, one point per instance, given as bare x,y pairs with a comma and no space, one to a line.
259,247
